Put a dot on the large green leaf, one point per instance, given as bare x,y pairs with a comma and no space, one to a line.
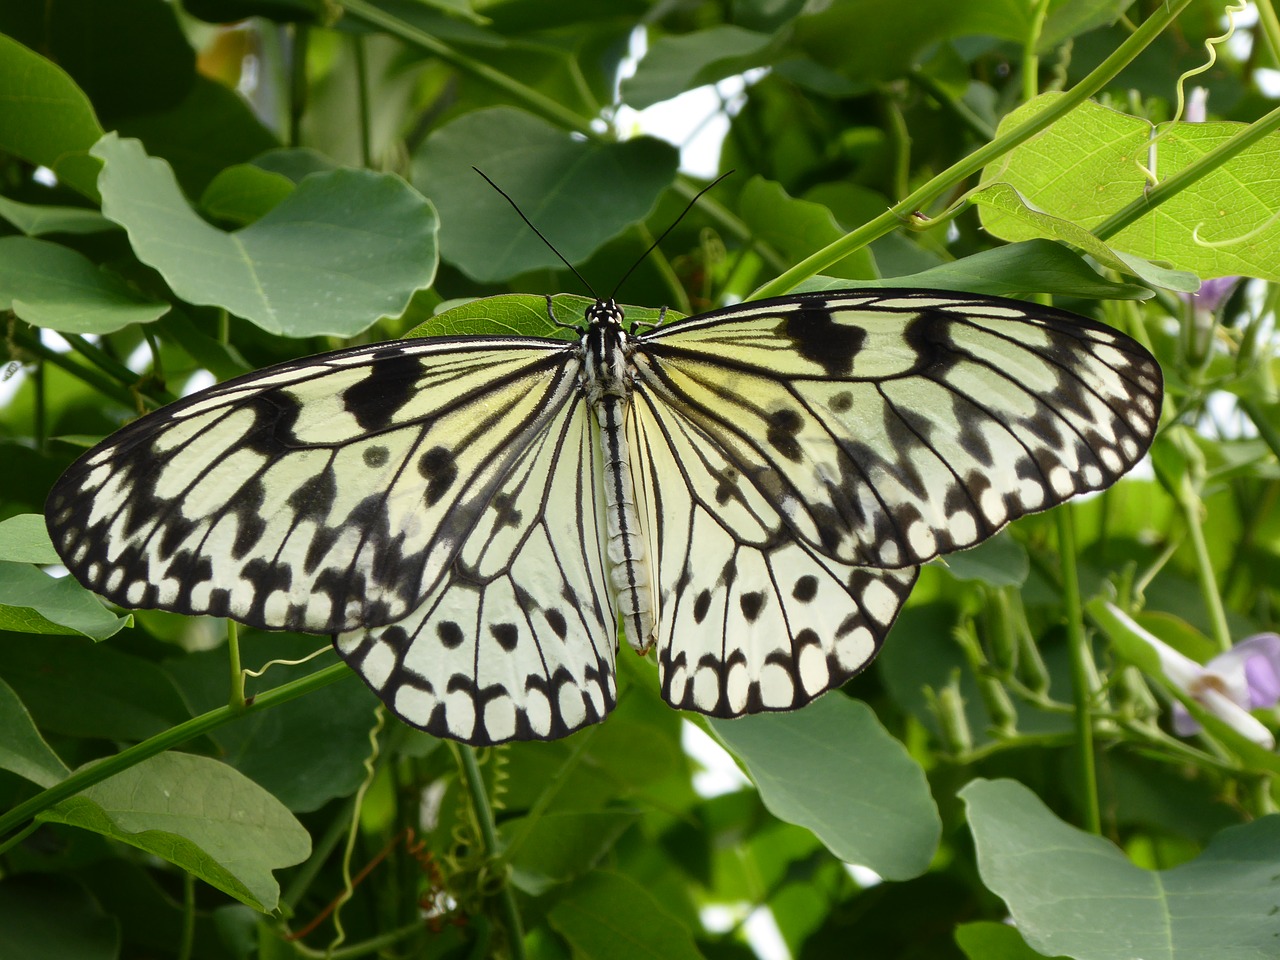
579,193
199,814
608,916
22,749
1014,270
675,64
797,228
342,250
1076,894
306,751
52,286
32,601
833,768
1096,160
45,118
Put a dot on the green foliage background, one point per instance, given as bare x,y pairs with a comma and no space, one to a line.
182,194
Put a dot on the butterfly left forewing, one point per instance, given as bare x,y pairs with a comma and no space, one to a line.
889,427
315,495
517,641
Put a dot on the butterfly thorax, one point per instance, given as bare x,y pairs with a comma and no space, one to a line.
605,352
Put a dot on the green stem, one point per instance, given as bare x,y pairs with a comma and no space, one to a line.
1171,186
1031,59
1084,681
298,82
531,98
1270,26
489,836
31,344
188,935
362,100
1191,507
963,169
236,701
95,773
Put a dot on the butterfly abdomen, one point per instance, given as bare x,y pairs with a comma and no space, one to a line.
608,390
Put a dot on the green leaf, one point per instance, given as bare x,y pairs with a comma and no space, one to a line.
244,193
209,130
32,601
578,193
25,539
1014,270
986,940
342,250
39,219
1005,199
45,118
50,917
22,749
834,769
674,64
80,689
524,315
198,814
608,916
797,228
1091,163
999,562
304,752
52,286
558,847
1076,894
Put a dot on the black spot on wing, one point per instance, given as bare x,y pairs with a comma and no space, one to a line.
440,470
752,603
817,337
314,499
506,634
805,589
505,507
450,634
929,334
701,605
376,456
781,433
390,382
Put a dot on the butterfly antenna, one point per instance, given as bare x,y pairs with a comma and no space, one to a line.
653,246
550,245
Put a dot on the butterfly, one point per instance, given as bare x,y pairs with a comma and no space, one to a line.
749,492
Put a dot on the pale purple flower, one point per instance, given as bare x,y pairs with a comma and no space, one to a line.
1244,678
1248,673
1213,294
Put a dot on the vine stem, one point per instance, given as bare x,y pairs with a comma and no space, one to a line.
1191,506
1084,680
87,776
902,211
489,836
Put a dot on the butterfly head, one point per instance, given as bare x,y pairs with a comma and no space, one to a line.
605,313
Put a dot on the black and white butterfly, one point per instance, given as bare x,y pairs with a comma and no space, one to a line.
750,491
